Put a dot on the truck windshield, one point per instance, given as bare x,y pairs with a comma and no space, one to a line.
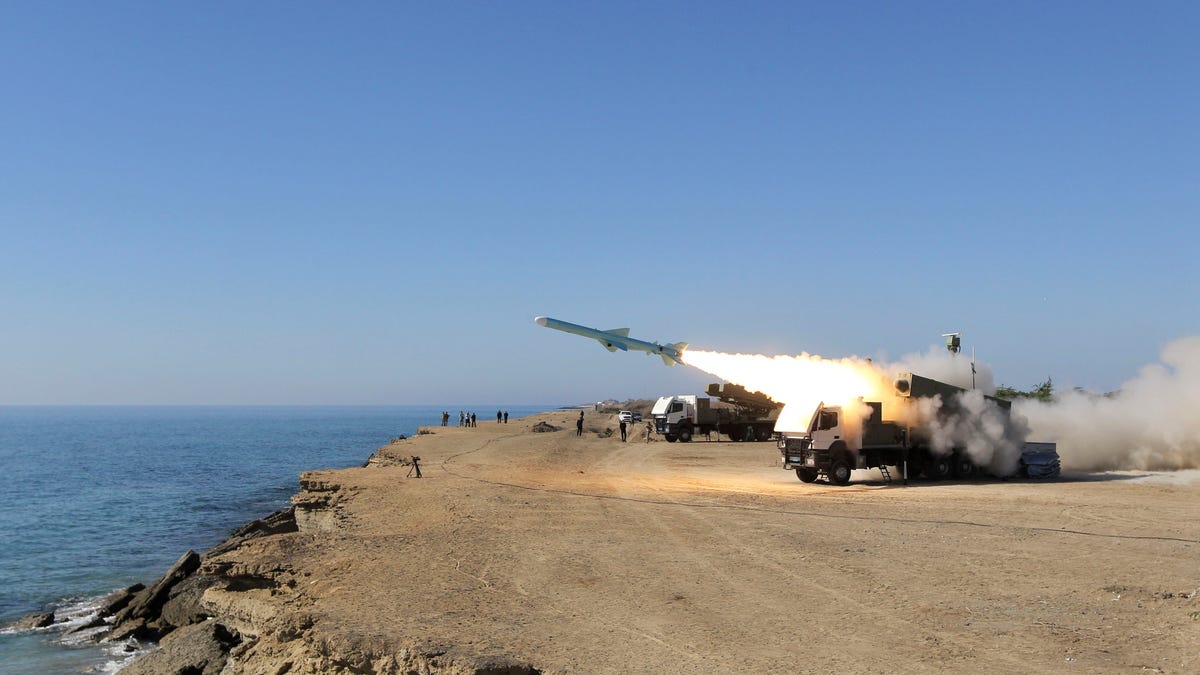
828,420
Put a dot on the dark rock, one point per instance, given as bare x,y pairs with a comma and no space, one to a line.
34,621
117,601
200,649
132,628
183,607
542,427
147,604
277,523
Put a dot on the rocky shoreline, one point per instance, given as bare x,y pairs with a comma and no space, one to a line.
204,620
170,610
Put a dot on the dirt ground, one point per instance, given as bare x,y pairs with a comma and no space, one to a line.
585,554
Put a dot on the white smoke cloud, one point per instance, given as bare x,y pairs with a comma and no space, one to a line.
992,438
1153,422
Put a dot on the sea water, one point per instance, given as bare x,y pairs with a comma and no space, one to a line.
97,498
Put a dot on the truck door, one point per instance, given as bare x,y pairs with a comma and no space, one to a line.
826,427
675,413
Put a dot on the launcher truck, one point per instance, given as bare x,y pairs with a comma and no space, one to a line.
837,441
749,416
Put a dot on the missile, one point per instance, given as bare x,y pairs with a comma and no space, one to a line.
618,338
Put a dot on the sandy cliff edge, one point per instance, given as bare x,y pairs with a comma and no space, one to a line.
548,552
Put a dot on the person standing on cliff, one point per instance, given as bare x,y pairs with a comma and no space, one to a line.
506,417
473,420
498,416
622,431
579,424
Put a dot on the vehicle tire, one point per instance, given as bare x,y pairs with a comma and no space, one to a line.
763,434
671,438
807,475
938,468
839,469
685,435
736,434
964,468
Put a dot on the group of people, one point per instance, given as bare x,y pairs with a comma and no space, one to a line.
467,419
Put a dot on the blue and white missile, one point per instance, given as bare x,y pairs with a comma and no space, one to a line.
618,338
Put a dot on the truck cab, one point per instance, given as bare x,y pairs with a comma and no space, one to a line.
839,441
826,426
675,417
799,450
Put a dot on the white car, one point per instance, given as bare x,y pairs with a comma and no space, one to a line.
629,417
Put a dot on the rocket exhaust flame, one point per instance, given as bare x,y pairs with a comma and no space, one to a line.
801,382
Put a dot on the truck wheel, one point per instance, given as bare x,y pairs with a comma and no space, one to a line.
938,468
806,475
736,434
964,468
839,470
671,438
685,435
763,434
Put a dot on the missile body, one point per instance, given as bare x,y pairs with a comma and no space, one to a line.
618,338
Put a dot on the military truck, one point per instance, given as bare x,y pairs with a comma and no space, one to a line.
838,441
747,416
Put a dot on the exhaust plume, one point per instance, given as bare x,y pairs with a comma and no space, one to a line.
801,382
1150,423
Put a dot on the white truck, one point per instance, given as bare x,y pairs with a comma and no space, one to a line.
748,417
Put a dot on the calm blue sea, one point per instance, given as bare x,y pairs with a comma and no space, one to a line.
97,498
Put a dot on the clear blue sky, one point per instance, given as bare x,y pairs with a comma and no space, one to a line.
279,202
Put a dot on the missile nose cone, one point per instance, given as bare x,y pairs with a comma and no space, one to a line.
540,320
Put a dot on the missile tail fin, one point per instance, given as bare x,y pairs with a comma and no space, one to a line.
676,349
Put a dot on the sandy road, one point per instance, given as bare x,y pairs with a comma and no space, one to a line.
589,555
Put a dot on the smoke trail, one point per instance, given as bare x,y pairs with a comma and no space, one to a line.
1151,423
